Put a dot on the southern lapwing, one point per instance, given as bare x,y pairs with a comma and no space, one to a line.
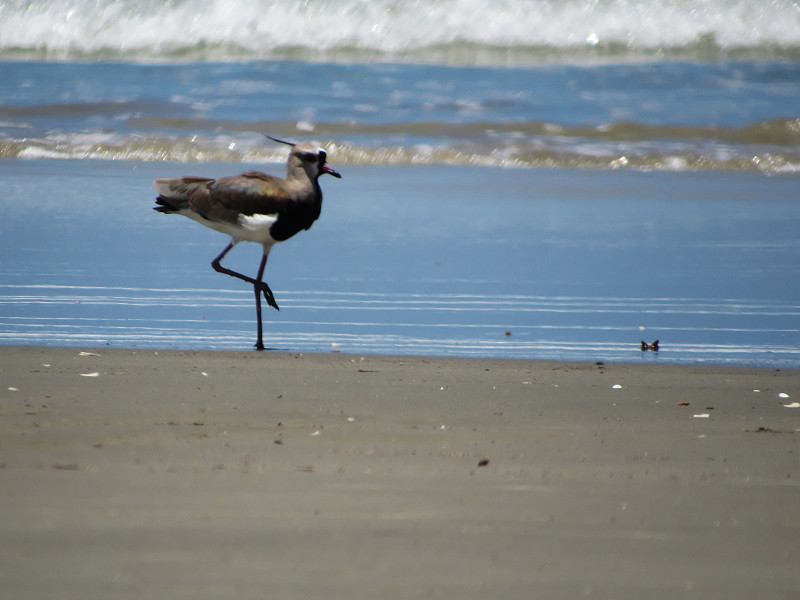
252,207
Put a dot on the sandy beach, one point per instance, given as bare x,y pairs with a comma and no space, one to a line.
144,474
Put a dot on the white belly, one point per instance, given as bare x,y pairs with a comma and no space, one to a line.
256,228
253,228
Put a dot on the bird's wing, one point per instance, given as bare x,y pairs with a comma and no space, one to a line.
182,188
251,193
224,199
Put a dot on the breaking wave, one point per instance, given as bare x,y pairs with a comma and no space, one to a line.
451,31
766,147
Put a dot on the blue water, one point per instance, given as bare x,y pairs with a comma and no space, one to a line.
729,116
526,179
575,265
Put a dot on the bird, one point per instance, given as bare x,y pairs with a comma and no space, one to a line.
253,207
646,346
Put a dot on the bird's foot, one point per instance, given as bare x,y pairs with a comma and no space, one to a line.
268,296
260,345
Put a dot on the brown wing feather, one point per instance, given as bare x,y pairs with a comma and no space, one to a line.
251,193
225,198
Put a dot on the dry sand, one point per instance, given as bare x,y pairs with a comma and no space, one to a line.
142,474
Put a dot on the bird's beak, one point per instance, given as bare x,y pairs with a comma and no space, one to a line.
326,168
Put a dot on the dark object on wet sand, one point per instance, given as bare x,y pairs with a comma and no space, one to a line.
252,207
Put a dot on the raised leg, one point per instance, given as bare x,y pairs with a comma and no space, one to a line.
262,286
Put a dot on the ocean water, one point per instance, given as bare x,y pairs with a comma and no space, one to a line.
522,178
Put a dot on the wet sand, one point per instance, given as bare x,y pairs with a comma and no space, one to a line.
143,474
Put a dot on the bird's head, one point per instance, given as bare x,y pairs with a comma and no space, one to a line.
312,160
309,159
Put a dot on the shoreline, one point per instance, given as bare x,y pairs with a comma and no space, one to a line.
210,474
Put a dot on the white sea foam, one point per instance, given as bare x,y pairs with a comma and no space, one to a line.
259,28
566,152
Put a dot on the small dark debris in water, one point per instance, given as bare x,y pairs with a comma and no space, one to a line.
508,334
646,346
483,462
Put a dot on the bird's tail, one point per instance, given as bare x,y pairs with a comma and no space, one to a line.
167,205
174,194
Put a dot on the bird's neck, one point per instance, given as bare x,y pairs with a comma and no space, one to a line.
302,186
